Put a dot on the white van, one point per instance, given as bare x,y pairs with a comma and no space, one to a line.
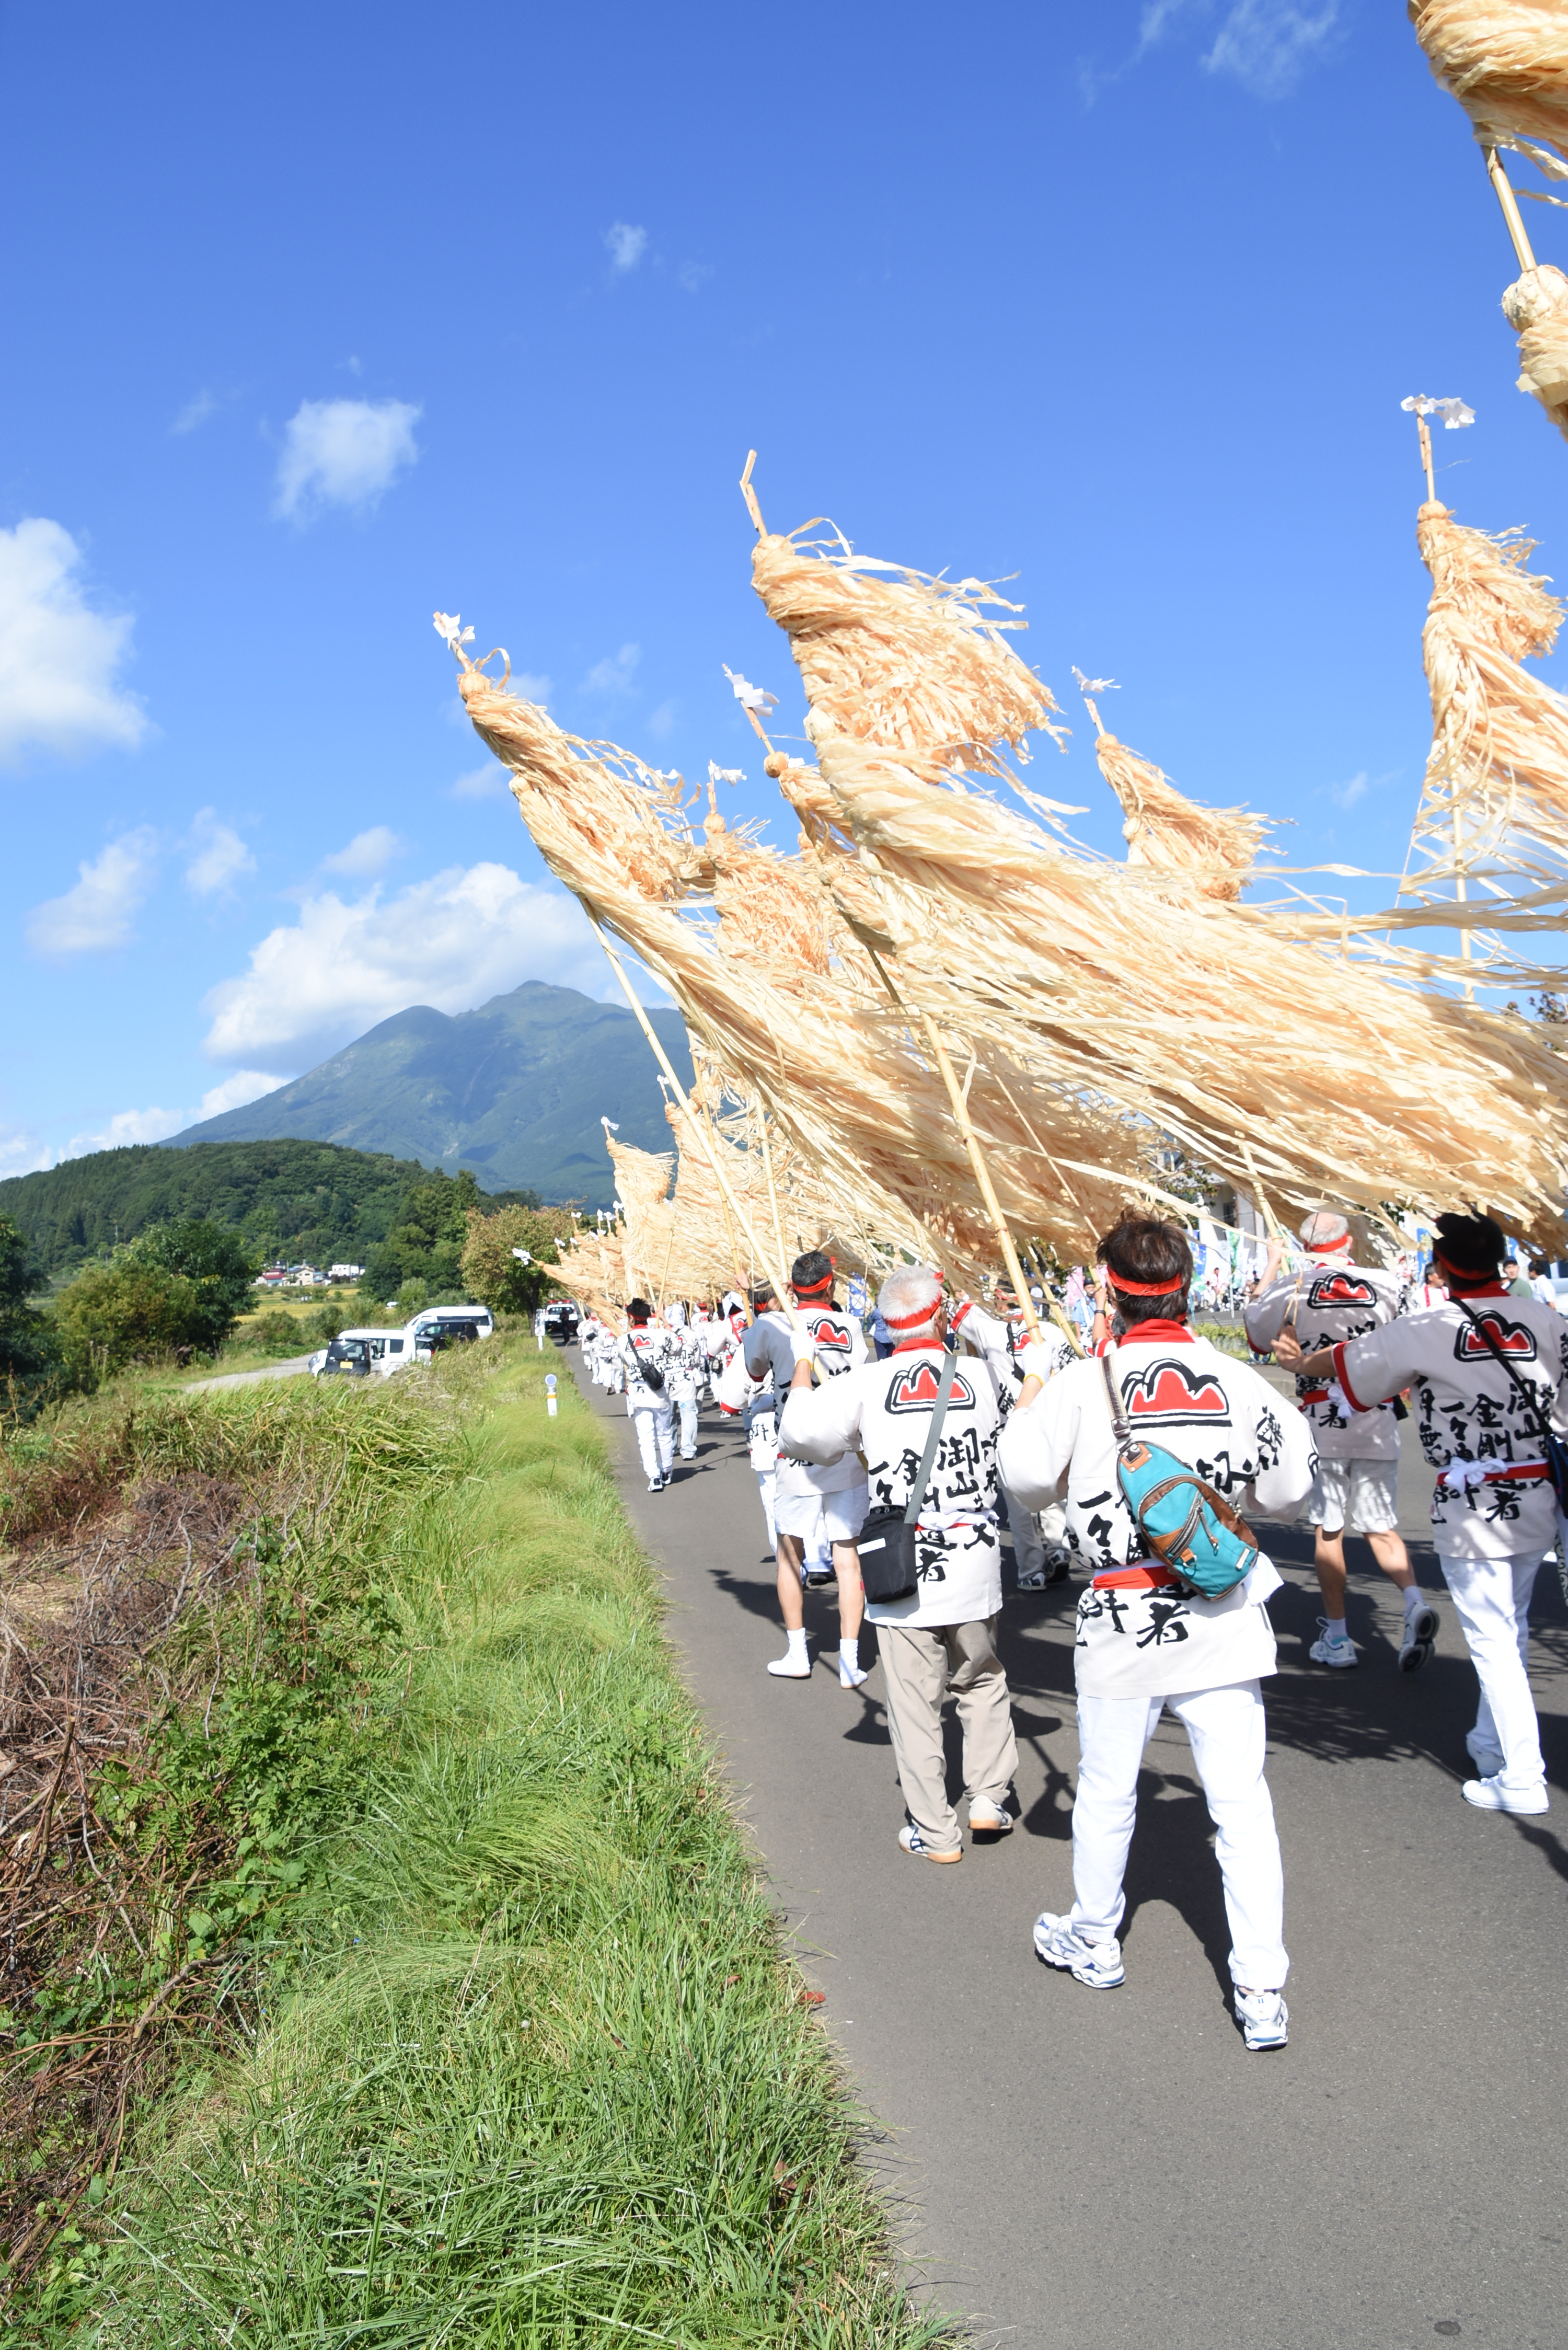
447,1325
363,1355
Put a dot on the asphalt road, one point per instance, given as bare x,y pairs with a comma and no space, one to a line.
289,1370
1080,2169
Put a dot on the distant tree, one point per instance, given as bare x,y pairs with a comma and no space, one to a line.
124,1313
276,1332
221,1264
32,1364
493,1275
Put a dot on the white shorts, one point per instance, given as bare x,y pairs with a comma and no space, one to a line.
1356,1497
819,1519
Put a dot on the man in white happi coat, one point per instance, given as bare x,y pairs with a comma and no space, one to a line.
941,1637
1483,1425
644,1356
1355,1489
1039,1540
683,1382
816,1507
1143,1643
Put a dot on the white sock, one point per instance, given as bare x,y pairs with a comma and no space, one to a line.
1334,1629
795,1645
1413,1599
849,1653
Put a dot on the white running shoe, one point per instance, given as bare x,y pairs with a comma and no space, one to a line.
1262,2016
1420,1638
1058,1942
789,1668
1340,1653
1491,1796
1035,1582
989,1819
915,1845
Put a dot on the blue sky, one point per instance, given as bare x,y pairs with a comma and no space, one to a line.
319,319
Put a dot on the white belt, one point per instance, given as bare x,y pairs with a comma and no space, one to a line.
945,1520
1464,1476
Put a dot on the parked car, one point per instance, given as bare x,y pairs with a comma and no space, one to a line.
561,1319
363,1355
448,1326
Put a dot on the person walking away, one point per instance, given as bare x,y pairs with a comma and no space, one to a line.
816,1507
940,1636
1356,1490
645,1355
762,1445
1039,1543
1489,1376
1144,1643
683,1381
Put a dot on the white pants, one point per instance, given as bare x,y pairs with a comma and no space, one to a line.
1028,1550
1491,1600
1225,1728
655,1426
766,1480
688,1410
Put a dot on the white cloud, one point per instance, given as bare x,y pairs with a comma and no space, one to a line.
614,673
130,1126
451,941
219,856
626,245
487,782
692,275
1267,45
20,1153
662,721
58,657
343,452
367,854
96,914
1345,796
195,412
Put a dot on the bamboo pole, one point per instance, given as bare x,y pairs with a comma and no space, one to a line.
1511,212
759,1253
768,1171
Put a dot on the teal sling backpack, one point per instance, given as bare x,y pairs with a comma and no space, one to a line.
1183,1522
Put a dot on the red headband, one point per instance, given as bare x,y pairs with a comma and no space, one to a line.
812,1288
914,1321
1145,1288
1329,1248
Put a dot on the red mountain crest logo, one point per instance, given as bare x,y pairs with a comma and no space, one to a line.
1168,1392
832,1333
917,1390
1342,1289
1515,1339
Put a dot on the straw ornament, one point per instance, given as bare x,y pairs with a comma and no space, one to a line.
1536,307
1506,61
1212,850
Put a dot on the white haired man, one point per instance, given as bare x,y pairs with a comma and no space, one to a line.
1332,1300
1144,1642
940,1636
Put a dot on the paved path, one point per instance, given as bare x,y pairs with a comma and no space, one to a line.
289,1370
1085,2169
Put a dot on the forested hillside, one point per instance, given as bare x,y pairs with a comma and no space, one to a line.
314,1201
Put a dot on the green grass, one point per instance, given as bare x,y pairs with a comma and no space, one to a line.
538,2072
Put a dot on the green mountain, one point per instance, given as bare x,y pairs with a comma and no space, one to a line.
514,1090
305,1202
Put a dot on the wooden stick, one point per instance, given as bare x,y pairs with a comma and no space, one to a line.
741,1283
753,508
1510,214
768,1171
1424,435
759,1253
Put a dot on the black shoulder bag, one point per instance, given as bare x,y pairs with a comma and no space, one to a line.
1554,1450
648,1373
888,1567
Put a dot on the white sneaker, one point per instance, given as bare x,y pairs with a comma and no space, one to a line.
656,1484
1035,1582
915,1845
1058,1942
791,1668
1490,1794
1340,1652
1262,2016
1420,1638
1489,1760
989,1819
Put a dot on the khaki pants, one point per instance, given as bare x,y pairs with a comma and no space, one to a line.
918,1668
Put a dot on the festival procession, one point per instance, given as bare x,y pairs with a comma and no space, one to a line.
1116,1205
